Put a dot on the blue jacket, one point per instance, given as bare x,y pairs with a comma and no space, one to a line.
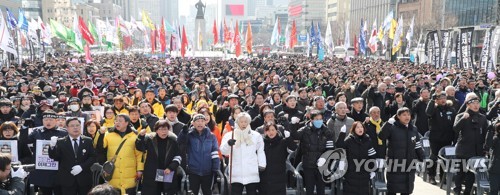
202,151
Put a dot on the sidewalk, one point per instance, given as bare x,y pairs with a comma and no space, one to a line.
424,188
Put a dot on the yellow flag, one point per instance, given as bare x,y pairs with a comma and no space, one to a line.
380,34
147,21
394,24
398,47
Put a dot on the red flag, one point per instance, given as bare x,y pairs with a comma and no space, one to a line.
153,41
293,35
249,40
227,36
85,31
279,27
184,42
172,42
355,45
163,42
237,40
88,58
216,35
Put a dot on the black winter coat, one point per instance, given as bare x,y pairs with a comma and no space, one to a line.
441,119
358,148
273,179
313,143
403,144
371,131
421,120
471,134
379,101
494,165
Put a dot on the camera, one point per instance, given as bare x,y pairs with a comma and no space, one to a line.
27,167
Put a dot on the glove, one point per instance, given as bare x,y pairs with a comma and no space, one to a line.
295,120
343,129
391,121
262,169
53,141
372,175
231,142
287,134
75,170
20,173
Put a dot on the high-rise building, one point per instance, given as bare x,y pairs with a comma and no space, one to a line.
337,13
369,11
423,11
87,12
31,8
306,11
156,9
470,12
61,11
108,9
170,10
12,5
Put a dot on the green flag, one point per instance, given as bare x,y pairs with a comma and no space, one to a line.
60,30
77,45
93,31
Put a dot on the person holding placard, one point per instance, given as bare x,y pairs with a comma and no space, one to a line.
39,177
75,153
163,154
9,131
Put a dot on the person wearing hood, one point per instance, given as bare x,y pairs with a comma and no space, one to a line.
315,139
47,92
9,131
74,109
7,112
339,119
129,162
158,108
357,112
359,147
87,103
471,128
248,156
38,95
202,151
403,144
49,129
273,179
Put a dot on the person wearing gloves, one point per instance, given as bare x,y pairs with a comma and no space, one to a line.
202,154
358,146
11,181
403,146
46,132
471,128
74,109
248,156
162,153
75,154
273,180
315,139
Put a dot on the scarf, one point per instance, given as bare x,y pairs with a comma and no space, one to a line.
242,136
172,123
377,129
484,99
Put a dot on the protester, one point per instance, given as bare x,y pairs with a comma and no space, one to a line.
145,111
373,128
339,119
9,131
11,181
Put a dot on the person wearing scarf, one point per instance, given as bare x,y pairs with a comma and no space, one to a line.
248,157
373,127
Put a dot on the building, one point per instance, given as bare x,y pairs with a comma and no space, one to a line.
235,9
61,11
306,11
31,8
12,5
170,10
108,9
337,13
157,9
87,12
470,12
369,11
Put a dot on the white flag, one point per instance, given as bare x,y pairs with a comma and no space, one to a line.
287,37
409,36
275,35
328,38
347,42
6,41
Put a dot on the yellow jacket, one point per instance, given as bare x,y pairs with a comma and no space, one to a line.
124,110
158,109
128,161
142,124
108,123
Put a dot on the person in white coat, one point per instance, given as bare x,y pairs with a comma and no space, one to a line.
248,155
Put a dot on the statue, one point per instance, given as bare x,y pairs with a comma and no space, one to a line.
201,10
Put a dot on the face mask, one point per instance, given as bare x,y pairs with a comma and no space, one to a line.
98,84
317,123
74,108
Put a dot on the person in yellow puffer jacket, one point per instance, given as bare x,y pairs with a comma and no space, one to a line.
136,121
129,162
158,108
109,118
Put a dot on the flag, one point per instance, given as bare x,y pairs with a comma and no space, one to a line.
397,42
356,51
153,41
200,40
172,42
184,42
287,36
372,43
237,40
46,34
60,30
163,41
214,31
313,34
392,30
318,37
388,21
328,38
227,37
249,38
94,33
147,21
6,41
22,21
362,37
347,42
84,30
275,34
293,35
308,45
380,33
75,36
11,20
409,36
88,58
221,33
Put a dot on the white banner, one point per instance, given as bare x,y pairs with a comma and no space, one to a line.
9,147
495,42
43,161
6,41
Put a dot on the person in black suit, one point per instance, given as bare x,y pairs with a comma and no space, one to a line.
75,154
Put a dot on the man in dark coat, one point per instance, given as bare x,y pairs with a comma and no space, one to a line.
182,115
289,111
420,118
357,112
373,128
75,154
471,128
380,98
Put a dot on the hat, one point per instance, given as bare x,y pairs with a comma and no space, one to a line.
132,85
49,114
74,99
475,99
198,117
95,97
5,102
36,89
232,96
224,88
45,103
358,99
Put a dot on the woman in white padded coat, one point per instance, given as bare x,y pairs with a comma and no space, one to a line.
248,155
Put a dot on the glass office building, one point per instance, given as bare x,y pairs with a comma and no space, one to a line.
471,12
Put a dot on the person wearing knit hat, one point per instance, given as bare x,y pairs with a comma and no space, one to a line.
74,109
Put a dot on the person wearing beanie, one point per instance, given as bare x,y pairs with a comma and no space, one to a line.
74,109
7,112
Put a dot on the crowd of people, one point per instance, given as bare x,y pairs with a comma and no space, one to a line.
148,118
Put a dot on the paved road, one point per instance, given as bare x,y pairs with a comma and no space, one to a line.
424,188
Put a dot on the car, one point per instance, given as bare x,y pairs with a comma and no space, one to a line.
339,52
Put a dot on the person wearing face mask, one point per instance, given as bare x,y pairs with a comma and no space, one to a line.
403,144
74,109
47,92
315,138
359,147
98,83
